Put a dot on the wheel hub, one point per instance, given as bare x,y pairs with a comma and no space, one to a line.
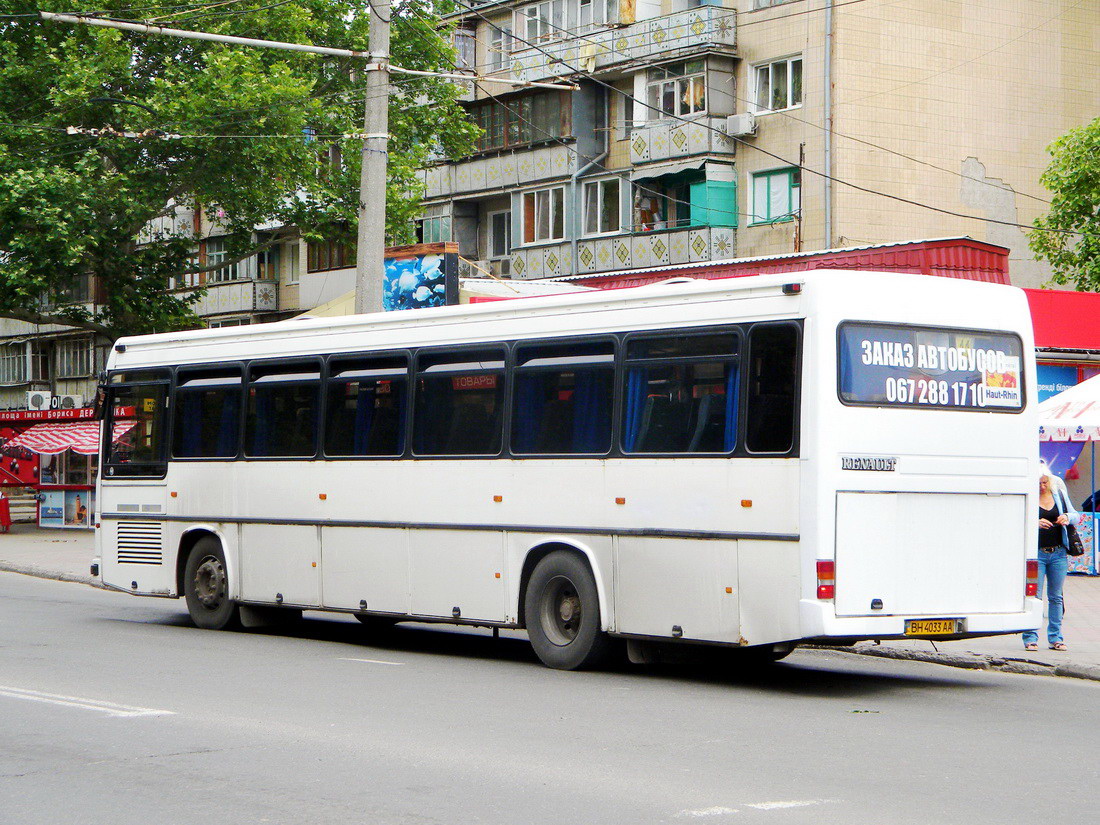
562,611
210,583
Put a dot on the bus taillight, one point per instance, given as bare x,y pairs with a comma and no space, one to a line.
826,578
1031,588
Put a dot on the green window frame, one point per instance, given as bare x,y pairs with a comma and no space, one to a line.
776,195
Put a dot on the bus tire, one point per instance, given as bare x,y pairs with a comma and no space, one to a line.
206,587
562,610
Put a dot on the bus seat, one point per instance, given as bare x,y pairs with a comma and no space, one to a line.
556,428
384,435
664,426
471,431
708,434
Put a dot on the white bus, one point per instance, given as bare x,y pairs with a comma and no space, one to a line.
752,462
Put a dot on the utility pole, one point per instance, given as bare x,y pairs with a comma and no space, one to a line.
371,252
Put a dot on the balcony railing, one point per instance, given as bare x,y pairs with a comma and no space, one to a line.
671,139
238,297
525,166
666,247
687,32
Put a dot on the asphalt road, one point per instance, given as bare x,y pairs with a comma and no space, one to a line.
113,709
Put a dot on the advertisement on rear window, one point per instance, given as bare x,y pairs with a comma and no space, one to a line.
903,366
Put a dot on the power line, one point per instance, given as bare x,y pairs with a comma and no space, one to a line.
824,175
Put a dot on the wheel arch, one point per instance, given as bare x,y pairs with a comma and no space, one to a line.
541,550
190,537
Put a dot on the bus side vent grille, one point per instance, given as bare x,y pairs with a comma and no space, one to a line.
139,542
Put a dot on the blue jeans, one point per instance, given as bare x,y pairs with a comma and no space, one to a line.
1052,569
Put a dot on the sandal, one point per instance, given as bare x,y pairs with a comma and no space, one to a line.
1031,646
1058,646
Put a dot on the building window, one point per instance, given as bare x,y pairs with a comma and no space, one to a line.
664,202
763,4
292,264
322,255
602,207
596,13
465,49
500,235
779,85
544,215
523,120
500,48
677,90
776,195
217,251
74,358
267,264
229,322
435,230
13,364
543,21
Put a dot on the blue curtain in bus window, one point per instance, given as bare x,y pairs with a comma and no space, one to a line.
261,433
191,424
733,380
530,406
228,423
635,406
364,415
591,412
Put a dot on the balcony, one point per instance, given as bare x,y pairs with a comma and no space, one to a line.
706,28
523,167
672,139
692,244
237,297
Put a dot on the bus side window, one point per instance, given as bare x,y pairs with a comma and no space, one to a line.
283,410
207,413
366,406
459,402
562,400
773,377
680,393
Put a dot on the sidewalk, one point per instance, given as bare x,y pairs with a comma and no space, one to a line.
67,554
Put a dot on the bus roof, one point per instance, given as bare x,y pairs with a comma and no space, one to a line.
304,334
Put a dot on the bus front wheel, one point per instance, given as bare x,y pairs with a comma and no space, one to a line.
563,613
206,587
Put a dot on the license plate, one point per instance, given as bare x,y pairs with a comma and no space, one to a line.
931,627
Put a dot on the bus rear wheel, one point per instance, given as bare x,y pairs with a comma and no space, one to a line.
206,587
562,609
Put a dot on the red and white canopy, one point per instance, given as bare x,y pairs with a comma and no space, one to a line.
79,436
1073,415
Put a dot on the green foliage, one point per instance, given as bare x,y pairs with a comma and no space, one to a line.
72,205
1073,178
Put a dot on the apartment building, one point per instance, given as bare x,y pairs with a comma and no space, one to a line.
704,131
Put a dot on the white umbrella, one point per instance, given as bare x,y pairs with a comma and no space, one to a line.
1072,415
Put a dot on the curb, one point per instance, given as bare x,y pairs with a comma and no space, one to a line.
54,575
1024,667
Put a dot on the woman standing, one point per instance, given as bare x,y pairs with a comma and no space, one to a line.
1055,513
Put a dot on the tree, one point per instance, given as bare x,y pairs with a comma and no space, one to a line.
241,133
1068,236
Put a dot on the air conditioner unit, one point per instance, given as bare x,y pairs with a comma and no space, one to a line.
66,402
38,400
740,125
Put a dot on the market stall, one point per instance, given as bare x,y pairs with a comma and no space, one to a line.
1067,422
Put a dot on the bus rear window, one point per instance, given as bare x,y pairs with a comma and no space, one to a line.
137,448
887,365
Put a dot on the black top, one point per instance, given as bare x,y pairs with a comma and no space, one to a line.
1050,537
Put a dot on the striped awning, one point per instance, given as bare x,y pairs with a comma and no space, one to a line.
56,437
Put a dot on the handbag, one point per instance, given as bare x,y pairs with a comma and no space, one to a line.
1076,546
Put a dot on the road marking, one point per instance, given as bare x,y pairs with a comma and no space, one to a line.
109,708
789,803
371,661
717,810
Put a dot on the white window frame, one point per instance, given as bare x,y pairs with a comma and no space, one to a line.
435,229
593,14
74,358
763,88
549,212
500,48
542,21
765,179
292,267
219,253
599,187
13,364
490,247
663,80
465,45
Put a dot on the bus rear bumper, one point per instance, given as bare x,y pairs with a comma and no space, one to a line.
821,624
